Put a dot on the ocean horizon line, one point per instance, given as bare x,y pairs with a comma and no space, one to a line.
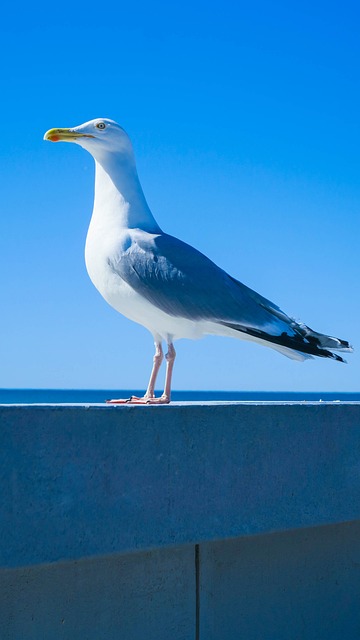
39,395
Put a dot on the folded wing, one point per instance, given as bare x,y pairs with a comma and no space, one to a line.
182,282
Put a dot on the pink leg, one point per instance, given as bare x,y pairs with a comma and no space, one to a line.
170,359
166,396
158,358
149,397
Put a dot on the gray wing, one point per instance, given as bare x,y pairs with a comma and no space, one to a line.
183,282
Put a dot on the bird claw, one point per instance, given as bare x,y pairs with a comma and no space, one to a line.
119,400
161,400
144,400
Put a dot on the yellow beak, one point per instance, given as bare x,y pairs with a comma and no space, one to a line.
56,135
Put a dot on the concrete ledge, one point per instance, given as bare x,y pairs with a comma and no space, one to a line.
140,522
80,482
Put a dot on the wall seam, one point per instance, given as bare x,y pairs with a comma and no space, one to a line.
197,592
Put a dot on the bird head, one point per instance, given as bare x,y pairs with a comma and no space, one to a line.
99,136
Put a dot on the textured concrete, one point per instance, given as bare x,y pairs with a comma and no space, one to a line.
205,522
80,482
302,584
147,595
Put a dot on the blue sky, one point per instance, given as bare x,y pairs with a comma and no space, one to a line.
245,123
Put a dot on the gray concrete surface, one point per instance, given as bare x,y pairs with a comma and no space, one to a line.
301,584
293,585
80,482
141,596
206,521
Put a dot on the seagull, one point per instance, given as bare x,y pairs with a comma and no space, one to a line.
163,283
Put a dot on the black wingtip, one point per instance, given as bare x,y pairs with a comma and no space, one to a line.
294,342
334,356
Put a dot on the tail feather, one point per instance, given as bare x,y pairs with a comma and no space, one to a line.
302,339
324,341
293,336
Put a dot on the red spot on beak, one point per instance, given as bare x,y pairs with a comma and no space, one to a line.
54,138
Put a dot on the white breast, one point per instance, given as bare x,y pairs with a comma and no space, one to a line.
102,250
119,209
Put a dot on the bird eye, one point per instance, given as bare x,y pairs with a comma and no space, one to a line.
100,125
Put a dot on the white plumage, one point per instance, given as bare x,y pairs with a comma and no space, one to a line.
161,282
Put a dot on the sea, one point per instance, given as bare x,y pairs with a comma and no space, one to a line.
90,396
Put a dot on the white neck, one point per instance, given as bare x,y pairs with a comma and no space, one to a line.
119,198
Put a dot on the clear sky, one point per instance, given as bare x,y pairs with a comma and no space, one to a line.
245,123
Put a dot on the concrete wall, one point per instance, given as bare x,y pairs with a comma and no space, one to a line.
146,595
186,521
303,584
